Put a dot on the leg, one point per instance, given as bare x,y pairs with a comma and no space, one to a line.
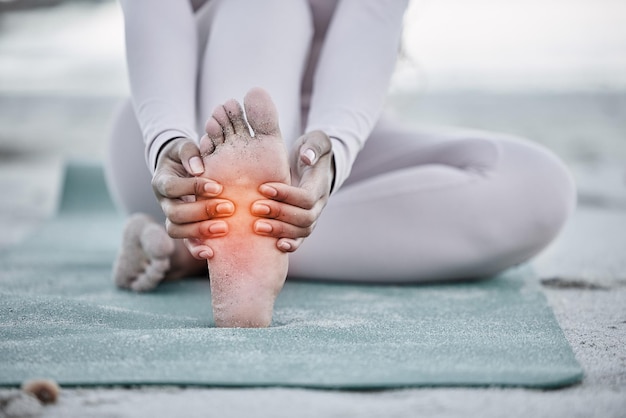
456,205
147,254
227,55
247,271
128,178
251,43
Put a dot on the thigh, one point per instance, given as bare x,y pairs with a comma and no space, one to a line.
446,205
394,146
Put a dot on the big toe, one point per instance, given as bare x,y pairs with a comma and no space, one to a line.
261,112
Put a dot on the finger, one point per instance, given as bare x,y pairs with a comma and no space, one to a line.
278,229
198,249
180,212
296,196
171,186
197,230
189,155
315,145
289,245
285,212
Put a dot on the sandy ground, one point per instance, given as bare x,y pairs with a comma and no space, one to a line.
584,271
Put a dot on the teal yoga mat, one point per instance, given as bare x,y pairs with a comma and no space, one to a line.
61,317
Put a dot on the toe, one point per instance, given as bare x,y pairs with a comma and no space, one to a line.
214,136
152,276
261,112
156,243
221,117
237,119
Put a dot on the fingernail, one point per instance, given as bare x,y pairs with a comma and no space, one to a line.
262,227
212,188
260,209
225,208
285,246
196,165
268,191
310,154
218,228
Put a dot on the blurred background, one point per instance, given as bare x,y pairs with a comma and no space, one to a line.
551,70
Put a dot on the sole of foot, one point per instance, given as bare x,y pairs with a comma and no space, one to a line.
247,271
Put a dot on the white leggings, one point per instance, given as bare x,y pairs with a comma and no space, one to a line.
419,205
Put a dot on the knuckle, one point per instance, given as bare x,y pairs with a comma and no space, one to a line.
282,195
308,219
175,217
169,213
197,186
325,141
187,147
167,188
210,209
309,201
278,229
170,228
156,183
277,212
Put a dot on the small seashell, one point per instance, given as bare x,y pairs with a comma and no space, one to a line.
46,390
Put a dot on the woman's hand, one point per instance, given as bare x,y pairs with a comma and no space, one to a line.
176,185
291,212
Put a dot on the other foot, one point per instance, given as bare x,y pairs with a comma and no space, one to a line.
149,256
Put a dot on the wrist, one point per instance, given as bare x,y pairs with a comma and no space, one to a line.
166,144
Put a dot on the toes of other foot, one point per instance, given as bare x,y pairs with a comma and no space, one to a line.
155,242
152,276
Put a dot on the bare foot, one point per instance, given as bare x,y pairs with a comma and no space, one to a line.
149,256
247,271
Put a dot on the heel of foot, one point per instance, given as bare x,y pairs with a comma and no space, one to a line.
245,299
243,320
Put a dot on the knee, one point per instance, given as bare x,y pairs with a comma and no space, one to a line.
557,195
548,195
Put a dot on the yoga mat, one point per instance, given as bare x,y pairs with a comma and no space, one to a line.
61,317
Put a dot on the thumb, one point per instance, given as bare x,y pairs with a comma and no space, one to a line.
315,145
189,156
